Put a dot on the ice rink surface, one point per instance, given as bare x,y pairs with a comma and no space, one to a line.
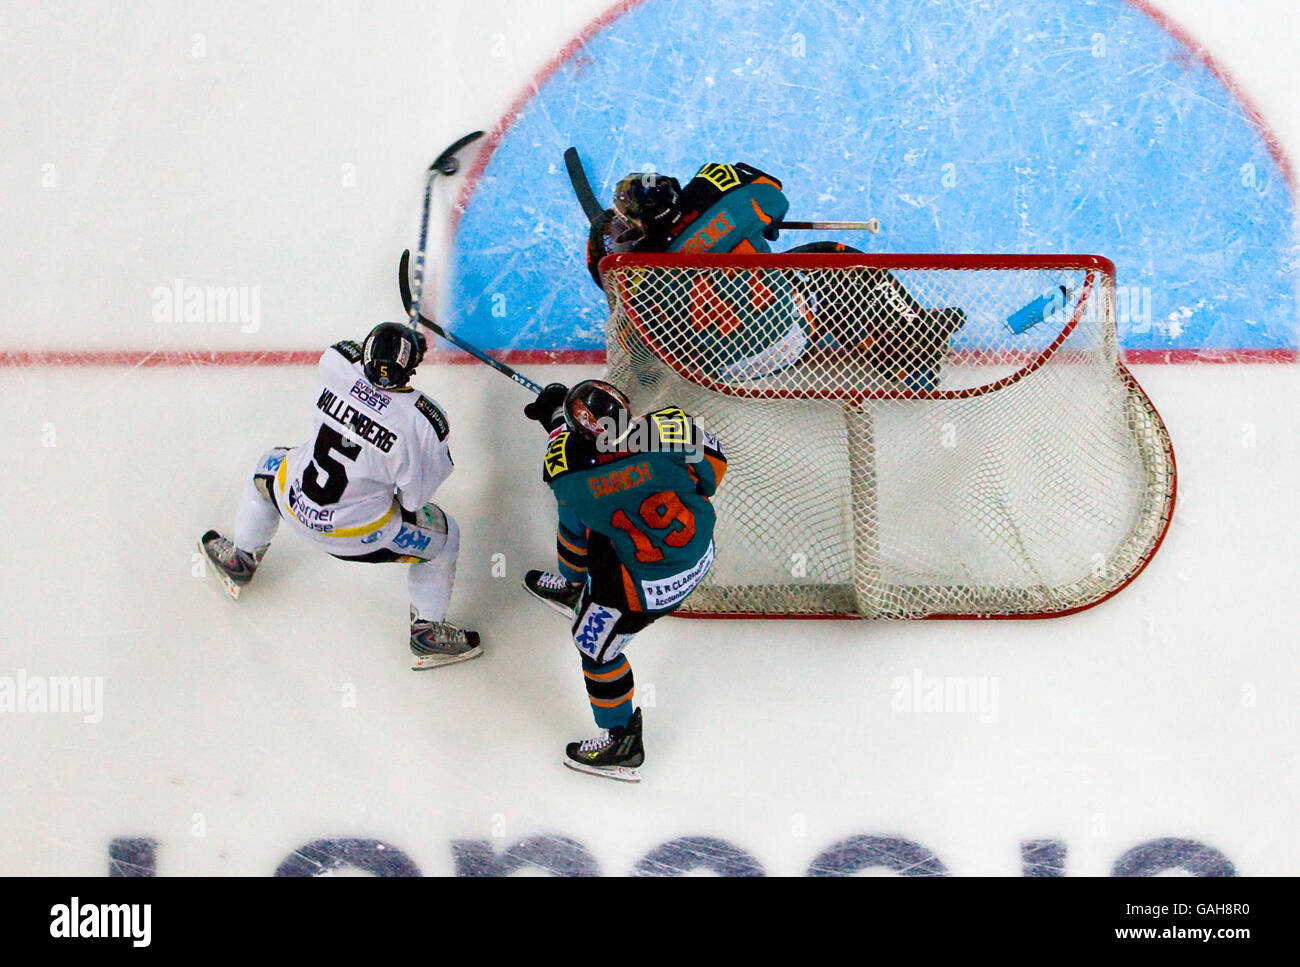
280,150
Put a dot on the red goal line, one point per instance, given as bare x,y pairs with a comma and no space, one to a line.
15,359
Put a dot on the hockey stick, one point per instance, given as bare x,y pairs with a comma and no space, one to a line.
581,186
445,164
404,286
871,225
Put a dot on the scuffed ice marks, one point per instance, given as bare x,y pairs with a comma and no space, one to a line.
1053,127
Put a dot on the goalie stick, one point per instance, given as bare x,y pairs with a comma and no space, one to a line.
581,186
871,225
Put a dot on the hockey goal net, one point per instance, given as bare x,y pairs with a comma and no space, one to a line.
908,436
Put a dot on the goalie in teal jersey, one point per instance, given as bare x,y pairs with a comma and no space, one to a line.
723,208
635,537
737,332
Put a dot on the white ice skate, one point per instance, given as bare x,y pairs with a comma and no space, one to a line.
232,567
438,643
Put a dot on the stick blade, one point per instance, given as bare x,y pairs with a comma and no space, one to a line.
404,280
447,163
581,186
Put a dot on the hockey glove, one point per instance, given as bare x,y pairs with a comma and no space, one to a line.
543,409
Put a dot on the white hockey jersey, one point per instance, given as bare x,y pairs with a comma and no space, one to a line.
373,448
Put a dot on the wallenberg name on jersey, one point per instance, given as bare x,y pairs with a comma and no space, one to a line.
651,500
370,430
373,450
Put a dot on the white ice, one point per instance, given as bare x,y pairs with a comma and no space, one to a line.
235,734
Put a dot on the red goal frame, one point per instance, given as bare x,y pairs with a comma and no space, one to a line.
1098,269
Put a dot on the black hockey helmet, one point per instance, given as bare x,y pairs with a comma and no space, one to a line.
648,201
592,401
390,354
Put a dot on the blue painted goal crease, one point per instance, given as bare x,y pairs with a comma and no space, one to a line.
1062,126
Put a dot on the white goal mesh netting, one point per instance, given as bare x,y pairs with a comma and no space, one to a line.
907,436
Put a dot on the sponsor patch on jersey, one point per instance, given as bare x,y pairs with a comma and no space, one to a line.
671,591
308,514
556,460
348,350
724,177
371,397
437,419
411,539
672,426
594,630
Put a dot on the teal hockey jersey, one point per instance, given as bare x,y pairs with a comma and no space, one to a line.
650,497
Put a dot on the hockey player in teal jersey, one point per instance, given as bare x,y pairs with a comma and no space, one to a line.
635,537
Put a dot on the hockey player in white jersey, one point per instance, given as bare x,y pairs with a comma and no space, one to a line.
361,489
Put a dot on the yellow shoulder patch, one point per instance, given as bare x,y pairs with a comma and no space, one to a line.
671,425
724,177
556,460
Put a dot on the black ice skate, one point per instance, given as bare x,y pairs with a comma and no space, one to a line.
437,643
554,591
616,753
232,567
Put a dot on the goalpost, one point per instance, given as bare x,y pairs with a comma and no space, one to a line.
909,436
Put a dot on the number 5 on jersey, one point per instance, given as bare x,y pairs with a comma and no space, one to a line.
328,442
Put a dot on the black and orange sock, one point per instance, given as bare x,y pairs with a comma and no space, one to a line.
610,690
571,554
